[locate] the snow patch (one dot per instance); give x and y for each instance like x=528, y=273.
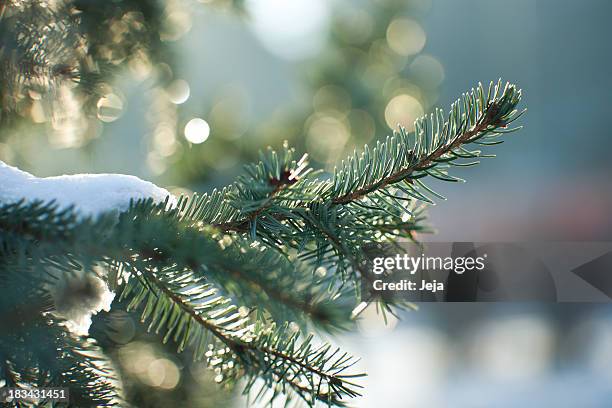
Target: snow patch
x=78, y=297
x=91, y=194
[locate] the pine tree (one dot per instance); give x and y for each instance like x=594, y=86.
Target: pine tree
x=229, y=276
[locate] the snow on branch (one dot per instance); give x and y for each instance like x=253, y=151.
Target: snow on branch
x=89, y=194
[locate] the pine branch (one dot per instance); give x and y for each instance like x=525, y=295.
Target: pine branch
x=188, y=313
x=45, y=355
x=278, y=179
x=166, y=265
x=478, y=117
x=312, y=373
x=372, y=192
x=253, y=276
x=151, y=237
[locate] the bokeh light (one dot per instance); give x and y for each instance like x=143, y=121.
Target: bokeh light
x=163, y=373
x=176, y=24
x=403, y=109
x=121, y=327
x=331, y=97
x=109, y=107
x=178, y=91
x=293, y=29
x=140, y=65
x=363, y=126
x=405, y=36
x=427, y=71
x=197, y=130
x=326, y=137
x=144, y=362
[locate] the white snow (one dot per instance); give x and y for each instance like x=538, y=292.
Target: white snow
x=78, y=297
x=91, y=194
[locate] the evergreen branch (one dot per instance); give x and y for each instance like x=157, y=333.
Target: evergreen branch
x=378, y=180
x=156, y=238
x=188, y=312
x=167, y=265
x=313, y=373
x=478, y=115
x=292, y=292
x=277, y=179
x=256, y=277
x=83, y=369
x=179, y=303
x=45, y=355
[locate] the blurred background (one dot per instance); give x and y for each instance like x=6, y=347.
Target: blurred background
x=184, y=92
